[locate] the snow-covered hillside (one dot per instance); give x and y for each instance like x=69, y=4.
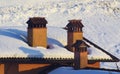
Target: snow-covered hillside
x=100, y=18
x=18, y=11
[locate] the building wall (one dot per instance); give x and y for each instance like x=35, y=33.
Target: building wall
x=72, y=37
x=1, y=68
x=94, y=65
x=31, y=68
x=37, y=37
x=11, y=68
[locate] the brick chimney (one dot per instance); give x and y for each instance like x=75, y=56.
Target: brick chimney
x=37, y=32
x=74, y=32
x=80, y=55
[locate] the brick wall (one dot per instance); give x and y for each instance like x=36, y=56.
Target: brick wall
x=12, y=68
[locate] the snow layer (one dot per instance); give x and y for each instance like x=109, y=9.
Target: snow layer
x=69, y=70
x=100, y=18
x=13, y=43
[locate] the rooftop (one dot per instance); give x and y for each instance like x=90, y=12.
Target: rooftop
x=13, y=44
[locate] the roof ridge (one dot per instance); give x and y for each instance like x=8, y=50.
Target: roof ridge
x=98, y=47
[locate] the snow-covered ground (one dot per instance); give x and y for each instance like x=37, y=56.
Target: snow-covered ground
x=100, y=18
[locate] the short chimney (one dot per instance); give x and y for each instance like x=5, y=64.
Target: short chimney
x=37, y=32
x=74, y=32
x=80, y=55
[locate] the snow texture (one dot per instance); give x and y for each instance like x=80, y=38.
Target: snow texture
x=100, y=18
x=13, y=43
x=16, y=44
x=69, y=70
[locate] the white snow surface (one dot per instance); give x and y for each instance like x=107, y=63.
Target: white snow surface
x=13, y=43
x=101, y=19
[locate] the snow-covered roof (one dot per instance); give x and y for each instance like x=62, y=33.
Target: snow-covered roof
x=13, y=43
x=70, y=70
x=95, y=54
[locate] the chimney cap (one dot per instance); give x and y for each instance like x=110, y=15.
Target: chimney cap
x=75, y=22
x=37, y=22
x=80, y=43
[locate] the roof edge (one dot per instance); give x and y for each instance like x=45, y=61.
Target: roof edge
x=115, y=59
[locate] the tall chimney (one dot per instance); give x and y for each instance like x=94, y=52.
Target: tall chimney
x=80, y=55
x=37, y=32
x=74, y=32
